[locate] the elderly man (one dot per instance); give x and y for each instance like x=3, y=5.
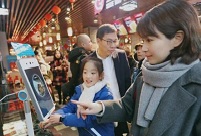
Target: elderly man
x=82, y=49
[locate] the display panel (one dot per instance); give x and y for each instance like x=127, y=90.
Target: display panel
x=137, y=17
x=36, y=87
x=120, y=27
x=130, y=24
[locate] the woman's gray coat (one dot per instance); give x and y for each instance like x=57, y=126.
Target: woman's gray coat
x=178, y=114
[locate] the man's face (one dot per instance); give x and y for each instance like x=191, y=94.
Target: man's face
x=107, y=44
x=87, y=43
x=140, y=53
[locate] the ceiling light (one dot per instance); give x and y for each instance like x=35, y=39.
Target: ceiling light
x=68, y=9
x=95, y=20
x=3, y=11
x=128, y=5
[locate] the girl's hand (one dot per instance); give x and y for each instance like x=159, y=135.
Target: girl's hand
x=79, y=109
x=52, y=120
x=87, y=108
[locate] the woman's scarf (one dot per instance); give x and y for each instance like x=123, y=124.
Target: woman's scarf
x=157, y=79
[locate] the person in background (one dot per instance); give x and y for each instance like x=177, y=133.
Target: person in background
x=92, y=89
x=59, y=69
x=167, y=100
x=140, y=55
x=116, y=66
x=46, y=72
x=81, y=50
x=132, y=62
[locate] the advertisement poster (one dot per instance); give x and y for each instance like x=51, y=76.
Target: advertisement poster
x=120, y=27
x=130, y=24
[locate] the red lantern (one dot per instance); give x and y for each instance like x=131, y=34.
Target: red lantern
x=42, y=22
x=38, y=26
x=72, y=3
x=56, y=10
x=34, y=29
x=48, y=17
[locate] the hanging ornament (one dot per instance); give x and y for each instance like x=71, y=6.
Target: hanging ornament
x=72, y=3
x=56, y=10
x=38, y=26
x=42, y=22
x=48, y=17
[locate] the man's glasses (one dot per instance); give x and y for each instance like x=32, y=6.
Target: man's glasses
x=111, y=42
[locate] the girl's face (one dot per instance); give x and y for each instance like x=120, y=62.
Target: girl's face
x=157, y=48
x=90, y=74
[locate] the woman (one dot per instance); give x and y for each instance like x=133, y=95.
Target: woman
x=59, y=69
x=166, y=100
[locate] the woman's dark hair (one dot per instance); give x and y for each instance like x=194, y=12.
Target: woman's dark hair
x=97, y=63
x=103, y=29
x=168, y=18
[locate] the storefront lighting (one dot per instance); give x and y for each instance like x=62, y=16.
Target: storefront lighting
x=50, y=40
x=40, y=44
x=44, y=35
x=44, y=42
x=70, y=31
x=128, y=5
x=58, y=37
x=67, y=17
x=68, y=9
x=3, y=11
x=95, y=20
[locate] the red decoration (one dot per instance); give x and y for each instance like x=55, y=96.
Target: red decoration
x=56, y=10
x=38, y=26
x=48, y=17
x=72, y=3
x=65, y=46
x=42, y=22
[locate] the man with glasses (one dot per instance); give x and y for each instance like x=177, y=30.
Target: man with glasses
x=116, y=67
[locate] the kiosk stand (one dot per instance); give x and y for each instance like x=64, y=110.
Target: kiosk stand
x=22, y=95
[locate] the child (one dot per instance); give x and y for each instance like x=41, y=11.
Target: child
x=166, y=100
x=92, y=89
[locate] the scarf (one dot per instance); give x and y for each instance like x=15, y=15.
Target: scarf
x=89, y=93
x=157, y=79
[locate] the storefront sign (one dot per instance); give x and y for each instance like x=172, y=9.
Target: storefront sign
x=112, y=3
x=98, y=6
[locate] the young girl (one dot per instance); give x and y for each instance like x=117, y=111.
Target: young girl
x=166, y=100
x=92, y=89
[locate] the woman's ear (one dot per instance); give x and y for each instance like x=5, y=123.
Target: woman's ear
x=178, y=38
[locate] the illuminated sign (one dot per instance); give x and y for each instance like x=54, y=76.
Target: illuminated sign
x=112, y=3
x=98, y=6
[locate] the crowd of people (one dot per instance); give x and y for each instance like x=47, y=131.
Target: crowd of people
x=157, y=89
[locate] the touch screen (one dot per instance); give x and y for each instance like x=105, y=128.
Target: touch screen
x=40, y=90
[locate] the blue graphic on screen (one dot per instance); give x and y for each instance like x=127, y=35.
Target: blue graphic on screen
x=39, y=89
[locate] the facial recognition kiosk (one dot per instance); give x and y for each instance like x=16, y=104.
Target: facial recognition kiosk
x=36, y=87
